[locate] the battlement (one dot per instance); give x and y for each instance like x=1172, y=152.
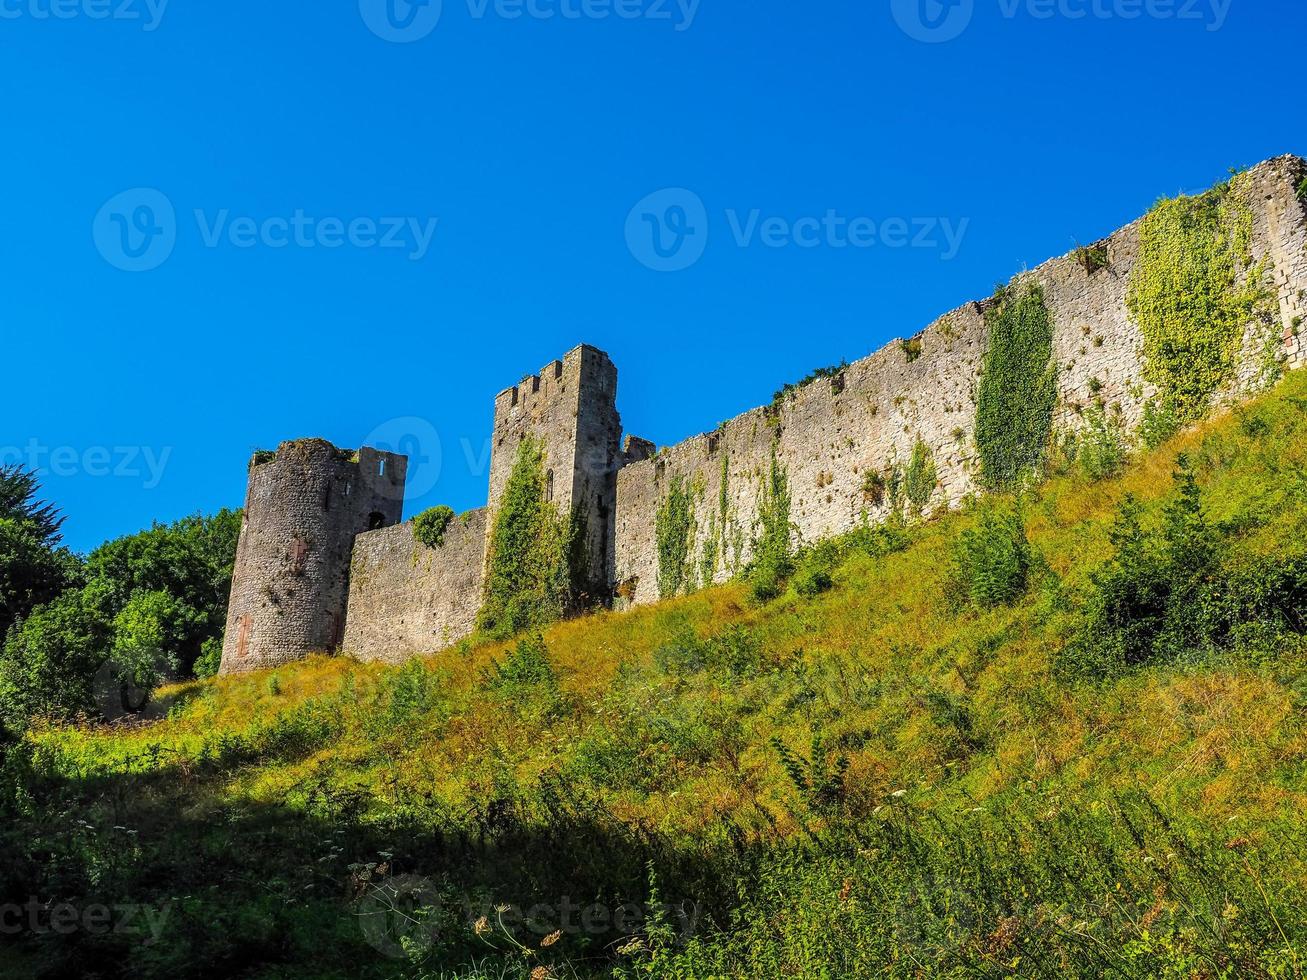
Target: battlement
x=310, y=504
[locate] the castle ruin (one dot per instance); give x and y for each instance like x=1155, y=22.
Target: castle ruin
x=324, y=564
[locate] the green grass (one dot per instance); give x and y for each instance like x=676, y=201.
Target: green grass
x=874, y=778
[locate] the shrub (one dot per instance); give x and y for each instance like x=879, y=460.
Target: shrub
x=877, y=540
x=526, y=665
x=791, y=389
x=429, y=527
x=1101, y=450
x=1092, y=258
x=992, y=561
x=1176, y=593
x=811, y=581
x=208, y=663
x=734, y=652
x=1158, y=424
x=1302, y=190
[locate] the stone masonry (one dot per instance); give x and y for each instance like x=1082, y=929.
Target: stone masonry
x=405, y=598
x=304, y=509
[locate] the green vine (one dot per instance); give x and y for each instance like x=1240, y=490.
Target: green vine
x=1192, y=292
x=674, y=533
x=1018, y=387
x=429, y=527
x=773, y=545
x=1302, y=190
x=531, y=574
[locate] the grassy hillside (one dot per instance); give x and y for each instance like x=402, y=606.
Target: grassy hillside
x=878, y=778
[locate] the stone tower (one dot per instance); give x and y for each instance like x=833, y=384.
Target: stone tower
x=304, y=507
x=571, y=407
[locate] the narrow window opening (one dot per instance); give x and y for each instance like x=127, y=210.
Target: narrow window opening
x=549, y=486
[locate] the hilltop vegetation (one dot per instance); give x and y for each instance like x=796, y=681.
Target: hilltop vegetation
x=1060, y=733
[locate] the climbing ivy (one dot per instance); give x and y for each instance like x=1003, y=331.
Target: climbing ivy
x=674, y=533
x=429, y=527
x=532, y=569
x=920, y=479
x=772, y=559
x=1018, y=387
x=1192, y=292
x=1302, y=190
x=723, y=544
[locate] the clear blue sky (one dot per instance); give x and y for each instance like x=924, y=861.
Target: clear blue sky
x=531, y=139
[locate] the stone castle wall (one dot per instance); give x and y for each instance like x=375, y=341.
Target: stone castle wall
x=406, y=598
x=304, y=508
x=832, y=431
x=571, y=408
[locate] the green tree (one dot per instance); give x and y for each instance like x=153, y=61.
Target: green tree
x=50, y=660
x=151, y=604
x=18, y=501
x=31, y=571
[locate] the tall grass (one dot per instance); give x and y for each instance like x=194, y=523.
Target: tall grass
x=861, y=776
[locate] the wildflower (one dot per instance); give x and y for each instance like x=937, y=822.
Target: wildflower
x=541, y=973
x=482, y=926
x=550, y=939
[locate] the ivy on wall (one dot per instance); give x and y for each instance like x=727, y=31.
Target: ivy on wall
x=723, y=545
x=531, y=571
x=674, y=533
x=1018, y=387
x=920, y=478
x=1192, y=292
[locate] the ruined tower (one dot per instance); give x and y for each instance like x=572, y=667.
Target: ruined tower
x=304, y=507
x=571, y=408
